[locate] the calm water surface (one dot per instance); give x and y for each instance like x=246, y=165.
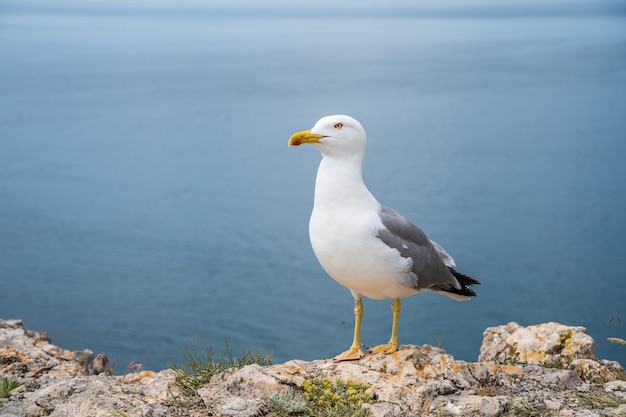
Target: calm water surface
x=148, y=198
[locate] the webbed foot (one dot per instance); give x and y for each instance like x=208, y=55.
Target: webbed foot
x=351, y=354
x=386, y=348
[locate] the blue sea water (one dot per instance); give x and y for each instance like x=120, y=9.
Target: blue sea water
x=148, y=197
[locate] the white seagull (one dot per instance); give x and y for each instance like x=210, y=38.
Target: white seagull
x=371, y=249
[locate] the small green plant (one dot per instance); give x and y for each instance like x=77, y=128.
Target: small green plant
x=601, y=401
x=510, y=360
x=525, y=410
x=200, y=365
x=288, y=403
x=8, y=385
x=322, y=397
x=336, y=398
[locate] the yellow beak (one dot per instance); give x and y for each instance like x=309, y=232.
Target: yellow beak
x=300, y=138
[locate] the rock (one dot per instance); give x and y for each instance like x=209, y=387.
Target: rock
x=242, y=392
x=613, y=386
x=598, y=372
x=56, y=381
x=553, y=406
x=28, y=354
x=547, y=369
x=619, y=411
x=469, y=405
x=548, y=344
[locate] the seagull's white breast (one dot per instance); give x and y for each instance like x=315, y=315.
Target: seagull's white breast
x=345, y=242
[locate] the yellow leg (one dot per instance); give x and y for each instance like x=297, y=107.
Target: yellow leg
x=392, y=346
x=355, y=352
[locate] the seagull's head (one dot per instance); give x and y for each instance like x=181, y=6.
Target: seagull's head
x=337, y=135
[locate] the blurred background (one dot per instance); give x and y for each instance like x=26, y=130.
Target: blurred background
x=148, y=197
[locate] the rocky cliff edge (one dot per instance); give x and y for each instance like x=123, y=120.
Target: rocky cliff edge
x=543, y=370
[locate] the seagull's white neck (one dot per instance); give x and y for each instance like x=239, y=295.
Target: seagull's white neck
x=340, y=182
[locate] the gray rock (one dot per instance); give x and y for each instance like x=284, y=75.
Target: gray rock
x=548, y=344
x=469, y=405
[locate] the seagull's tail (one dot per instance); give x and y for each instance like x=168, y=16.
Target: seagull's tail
x=464, y=292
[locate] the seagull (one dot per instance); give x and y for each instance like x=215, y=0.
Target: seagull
x=365, y=246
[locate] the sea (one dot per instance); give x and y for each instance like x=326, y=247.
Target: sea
x=149, y=201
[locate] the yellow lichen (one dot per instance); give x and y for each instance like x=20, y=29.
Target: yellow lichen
x=427, y=371
x=136, y=377
x=10, y=354
x=536, y=356
x=41, y=343
x=506, y=369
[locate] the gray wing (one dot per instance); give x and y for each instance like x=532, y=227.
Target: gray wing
x=445, y=256
x=429, y=268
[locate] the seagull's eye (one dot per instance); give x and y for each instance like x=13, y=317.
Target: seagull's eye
x=339, y=125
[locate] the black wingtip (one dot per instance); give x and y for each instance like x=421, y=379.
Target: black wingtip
x=462, y=278
x=465, y=281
